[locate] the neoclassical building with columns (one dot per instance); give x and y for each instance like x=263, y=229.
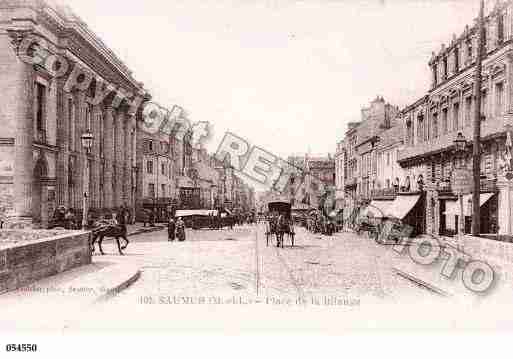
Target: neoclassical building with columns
x=43, y=163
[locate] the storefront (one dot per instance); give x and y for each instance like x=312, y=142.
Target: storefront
x=488, y=211
x=409, y=208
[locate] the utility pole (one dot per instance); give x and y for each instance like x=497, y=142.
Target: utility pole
x=476, y=152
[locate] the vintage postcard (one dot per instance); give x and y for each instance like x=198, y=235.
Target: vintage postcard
x=244, y=166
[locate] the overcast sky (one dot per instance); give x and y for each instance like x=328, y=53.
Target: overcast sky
x=286, y=75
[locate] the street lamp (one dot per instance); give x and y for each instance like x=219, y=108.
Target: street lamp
x=87, y=143
x=460, y=145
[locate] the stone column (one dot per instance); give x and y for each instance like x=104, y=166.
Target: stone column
x=505, y=204
x=62, y=139
x=80, y=164
x=108, y=122
x=126, y=160
x=95, y=170
x=119, y=151
x=509, y=84
x=132, y=164
x=23, y=157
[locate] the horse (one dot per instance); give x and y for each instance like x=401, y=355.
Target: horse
x=104, y=229
x=284, y=226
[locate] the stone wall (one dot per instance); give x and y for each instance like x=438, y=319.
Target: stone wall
x=496, y=253
x=25, y=262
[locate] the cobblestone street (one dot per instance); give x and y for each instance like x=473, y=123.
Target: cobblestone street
x=217, y=263
x=214, y=269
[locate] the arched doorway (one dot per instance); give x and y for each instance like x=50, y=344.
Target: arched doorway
x=39, y=192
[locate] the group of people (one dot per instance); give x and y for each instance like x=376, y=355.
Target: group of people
x=320, y=224
x=175, y=229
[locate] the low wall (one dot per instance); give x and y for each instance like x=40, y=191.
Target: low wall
x=496, y=253
x=24, y=262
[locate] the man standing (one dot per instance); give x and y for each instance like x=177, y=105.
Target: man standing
x=180, y=229
x=171, y=226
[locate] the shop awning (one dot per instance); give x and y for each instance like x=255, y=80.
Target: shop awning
x=402, y=205
x=195, y=212
x=453, y=207
x=377, y=209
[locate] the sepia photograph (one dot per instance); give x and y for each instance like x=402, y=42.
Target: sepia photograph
x=241, y=166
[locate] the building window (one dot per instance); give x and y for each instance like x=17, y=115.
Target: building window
x=445, y=74
x=469, y=51
x=444, y=121
x=468, y=110
x=88, y=114
x=456, y=117
x=40, y=112
x=500, y=28
x=163, y=169
x=456, y=60
x=151, y=190
x=150, y=145
x=420, y=128
x=163, y=188
x=485, y=43
x=387, y=183
x=435, y=125
x=149, y=167
x=388, y=158
x=484, y=104
x=499, y=99
x=435, y=74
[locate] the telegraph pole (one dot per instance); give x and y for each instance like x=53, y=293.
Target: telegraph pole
x=476, y=151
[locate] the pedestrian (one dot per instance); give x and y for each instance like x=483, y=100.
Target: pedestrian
x=180, y=229
x=171, y=227
x=152, y=218
x=70, y=219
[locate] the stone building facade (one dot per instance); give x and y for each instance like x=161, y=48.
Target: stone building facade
x=43, y=162
x=432, y=123
x=356, y=156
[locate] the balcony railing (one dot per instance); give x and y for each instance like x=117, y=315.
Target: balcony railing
x=385, y=192
x=490, y=126
x=487, y=185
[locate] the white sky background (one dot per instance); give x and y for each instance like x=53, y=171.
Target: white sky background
x=286, y=75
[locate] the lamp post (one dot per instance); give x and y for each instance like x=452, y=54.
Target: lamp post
x=87, y=143
x=460, y=144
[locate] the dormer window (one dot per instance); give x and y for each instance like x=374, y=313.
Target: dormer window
x=445, y=74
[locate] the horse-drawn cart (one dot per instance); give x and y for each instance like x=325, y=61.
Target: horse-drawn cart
x=279, y=223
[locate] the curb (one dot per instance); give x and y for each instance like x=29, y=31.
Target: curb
x=112, y=292
x=141, y=231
